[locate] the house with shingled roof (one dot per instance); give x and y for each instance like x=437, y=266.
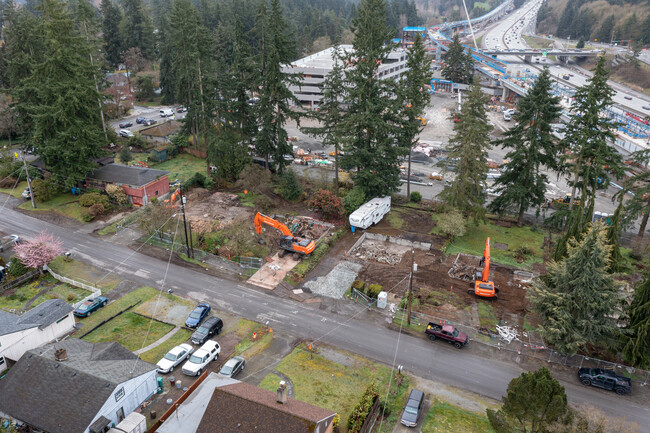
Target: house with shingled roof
x=74, y=386
x=224, y=405
x=42, y=324
x=141, y=184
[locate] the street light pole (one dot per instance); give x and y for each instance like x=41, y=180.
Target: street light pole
x=29, y=181
x=187, y=239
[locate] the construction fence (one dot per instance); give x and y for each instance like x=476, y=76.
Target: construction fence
x=245, y=266
x=523, y=343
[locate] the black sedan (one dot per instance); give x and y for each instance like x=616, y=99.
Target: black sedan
x=126, y=125
x=149, y=121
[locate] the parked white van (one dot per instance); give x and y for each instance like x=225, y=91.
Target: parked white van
x=166, y=112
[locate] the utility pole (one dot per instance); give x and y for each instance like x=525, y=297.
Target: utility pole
x=410, y=299
x=29, y=181
x=187, y=239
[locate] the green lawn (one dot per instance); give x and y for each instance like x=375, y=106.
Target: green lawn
x=130, y=330
x=474, y=243
x=154, y=355
x=63, y=291
x=142, y=294
x=17, y=191
x=322, y=382
x=84, y=273
x=394, y=218
x=443, y=417
x=182, y=167
x=535, y=42
x=22, y=295
x=64, y=204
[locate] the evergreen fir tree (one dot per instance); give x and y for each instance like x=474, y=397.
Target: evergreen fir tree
x=137, y=29
x=459, y=65
x=372, y=118
x=469, y=147
x=531, y=145
x=588, y=137
x=111, y=18
x=578, y=299
x=616, y=260
x=168, y=84
x=413, y=94
x=636, y=348
x=66, y=117
x=329, y=113
x=639, y=184
x=535, y=399
x=275, y=96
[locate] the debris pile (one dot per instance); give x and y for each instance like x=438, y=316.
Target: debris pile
x=507, y=333
x=462, y=271
x=381, y=255
x=307, y=227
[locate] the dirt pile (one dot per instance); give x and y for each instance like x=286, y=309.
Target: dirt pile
x=209, y=212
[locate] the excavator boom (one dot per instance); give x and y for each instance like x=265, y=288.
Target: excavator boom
x=486, y=258
x=289, y=243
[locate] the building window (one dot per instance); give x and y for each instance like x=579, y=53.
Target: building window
x=120, y=415
x=119, y=394
x=62, y=319
x=156, y=192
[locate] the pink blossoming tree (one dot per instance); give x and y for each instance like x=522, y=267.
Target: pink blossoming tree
x=39, y=251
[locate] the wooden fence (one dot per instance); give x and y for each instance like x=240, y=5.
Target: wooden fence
x=18, y=281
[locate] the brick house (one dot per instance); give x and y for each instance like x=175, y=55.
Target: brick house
x=139, y=183
x=249, y=409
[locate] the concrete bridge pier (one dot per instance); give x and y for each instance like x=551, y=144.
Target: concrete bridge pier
x=506, y=94
x=528, y=58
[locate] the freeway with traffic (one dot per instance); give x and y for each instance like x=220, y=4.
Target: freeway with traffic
x=349, y=327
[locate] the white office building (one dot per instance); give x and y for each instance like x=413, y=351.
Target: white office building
x=315, y=68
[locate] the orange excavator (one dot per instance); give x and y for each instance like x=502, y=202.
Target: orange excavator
x=289, y=243
x=482, y=285
x=172, y=199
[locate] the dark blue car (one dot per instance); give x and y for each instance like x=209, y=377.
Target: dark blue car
x=195, y=317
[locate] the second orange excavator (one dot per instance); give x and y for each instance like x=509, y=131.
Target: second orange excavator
x=289, y=243
x=482, y=286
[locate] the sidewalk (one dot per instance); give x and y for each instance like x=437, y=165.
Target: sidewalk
x=158, y=342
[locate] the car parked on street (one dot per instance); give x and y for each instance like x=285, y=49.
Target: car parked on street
x=126, y=124
x=411, y=412
x=197, y=315
x=149, y=122
x=448, y=333
x=181, y=109
x=210, y=327
x=174, y=357
x=126, y=133
x=8, y=242
x=90, y=306
x=233, y=366
x=140, y=120
x=201, y=358
x=605, y=379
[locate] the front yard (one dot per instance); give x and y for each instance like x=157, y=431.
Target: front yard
x=321, y=381
x=64, y=204
x=131, y=330
x=18, y=298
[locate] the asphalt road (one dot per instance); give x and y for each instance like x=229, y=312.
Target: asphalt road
x=350, y=328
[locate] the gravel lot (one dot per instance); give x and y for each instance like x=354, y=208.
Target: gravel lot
x=337, y=282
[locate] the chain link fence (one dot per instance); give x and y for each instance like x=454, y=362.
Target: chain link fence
x=526, y=343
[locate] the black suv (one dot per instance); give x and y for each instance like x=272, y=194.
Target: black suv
x=606, y=379
x=210, y=327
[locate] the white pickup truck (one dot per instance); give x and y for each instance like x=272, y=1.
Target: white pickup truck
x=201, y=358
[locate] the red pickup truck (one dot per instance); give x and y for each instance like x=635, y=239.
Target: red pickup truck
x=447, y=333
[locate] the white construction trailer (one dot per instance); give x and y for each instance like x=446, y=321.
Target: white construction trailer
x=370, y=213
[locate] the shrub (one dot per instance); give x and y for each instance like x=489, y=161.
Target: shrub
x=16, y=267
x=96, y=210
x=291, y=188
x=44, y=190
x=89, y=199
x=416, y=197
x=373, y=290
x=328, y=204
x=117, y=194
x=86, y=216
x=359, y=285
x=197, y=180
x=362, y=409
x=125, y=155
x=353, y=200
